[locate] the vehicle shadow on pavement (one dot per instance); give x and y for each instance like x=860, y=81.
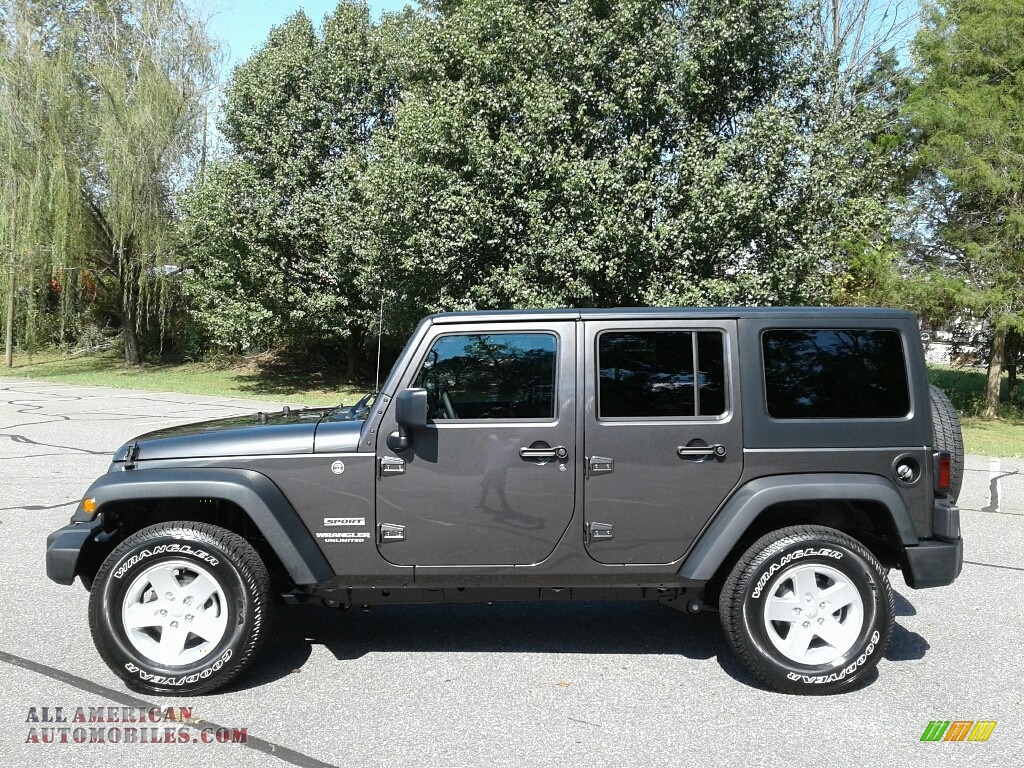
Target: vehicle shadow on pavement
x=905, y=645
x=583, y=628
x=556, y=627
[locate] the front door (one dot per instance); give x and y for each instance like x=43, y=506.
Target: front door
x=490, y=480
x=663, y=438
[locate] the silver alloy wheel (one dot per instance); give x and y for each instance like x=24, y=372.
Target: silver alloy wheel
x=813, y=614
x=174, y=613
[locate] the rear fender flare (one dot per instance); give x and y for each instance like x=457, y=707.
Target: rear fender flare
x=726, y=528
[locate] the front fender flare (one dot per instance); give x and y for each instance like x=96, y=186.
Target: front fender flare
x=726, y=528
x=260, y=499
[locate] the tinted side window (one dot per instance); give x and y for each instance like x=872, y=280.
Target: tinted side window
x=650, y=374
x=835, y=374
x=490, y=376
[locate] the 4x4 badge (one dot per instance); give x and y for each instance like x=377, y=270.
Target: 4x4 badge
x=338, y=467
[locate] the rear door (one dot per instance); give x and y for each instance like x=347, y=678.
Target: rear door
x=663, y=435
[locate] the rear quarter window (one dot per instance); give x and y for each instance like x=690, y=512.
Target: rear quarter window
x=835, y=374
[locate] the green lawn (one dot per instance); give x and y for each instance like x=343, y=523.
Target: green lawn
x=230, y=378
x=271, y=380
x=966, y=389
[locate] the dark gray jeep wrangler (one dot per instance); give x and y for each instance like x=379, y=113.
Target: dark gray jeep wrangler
x=772, y=464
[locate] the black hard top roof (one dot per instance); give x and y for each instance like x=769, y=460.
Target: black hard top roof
x=671, y=313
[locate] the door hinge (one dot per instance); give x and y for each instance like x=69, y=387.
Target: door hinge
x=391, y=465
x=600, y=465
x=390, y=532
x=599, y=532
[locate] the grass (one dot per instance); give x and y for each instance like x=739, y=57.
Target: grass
x=270, y=378
x=255, y=378
x=966, y=389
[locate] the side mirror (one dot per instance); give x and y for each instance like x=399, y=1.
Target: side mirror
x=411, y=408
x=410, y=413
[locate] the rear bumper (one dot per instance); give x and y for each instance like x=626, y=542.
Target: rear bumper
x=64, y=549
x=936, y=562
x=933, y=563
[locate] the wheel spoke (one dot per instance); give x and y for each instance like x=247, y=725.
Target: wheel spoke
x=172, y=643
x=781, y=609
x=141, y=615
x=835, y=634
x=798, y=640
x=805, y=583
x=163, y=581
x=200, y=590
x=207, y=626
x=840, y=595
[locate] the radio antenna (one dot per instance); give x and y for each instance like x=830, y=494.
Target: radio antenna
x=380, y=336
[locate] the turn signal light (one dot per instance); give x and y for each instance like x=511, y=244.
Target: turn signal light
x=944, y=474
x=89, y=506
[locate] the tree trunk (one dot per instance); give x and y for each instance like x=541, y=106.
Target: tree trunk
x=1012, y=357
x=132, y=355
x=9, y=348
x=995, y=375
x=353, y=358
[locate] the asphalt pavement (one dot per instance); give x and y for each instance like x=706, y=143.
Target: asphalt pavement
x=588, y=684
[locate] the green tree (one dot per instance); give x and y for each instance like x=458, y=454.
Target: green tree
x=272, y=230
x=101, y=109
x=42, y=219
x=968, y=104
x=526, y=150
x=631, y=152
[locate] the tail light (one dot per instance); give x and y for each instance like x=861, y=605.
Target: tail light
x=943, y=472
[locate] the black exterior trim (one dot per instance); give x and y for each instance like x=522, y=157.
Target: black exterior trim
x=64, y=548
x=746, y=504
x=945, y=520
x=932, y=563
x=256, y=494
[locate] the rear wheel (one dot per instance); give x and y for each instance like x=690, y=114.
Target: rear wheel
x=808, y=610
x=180, y=607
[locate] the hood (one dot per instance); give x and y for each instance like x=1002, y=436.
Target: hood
x=258, y=434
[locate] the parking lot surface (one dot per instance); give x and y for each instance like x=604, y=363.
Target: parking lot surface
x=586, y=684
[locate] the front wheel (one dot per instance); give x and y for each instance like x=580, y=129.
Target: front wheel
x=180, y=607
x=808, y=610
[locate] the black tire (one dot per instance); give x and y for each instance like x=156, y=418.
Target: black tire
x=183, y=552
x=768, y=570
x=948, y=437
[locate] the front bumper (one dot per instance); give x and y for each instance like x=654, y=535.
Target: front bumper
x=68, y=548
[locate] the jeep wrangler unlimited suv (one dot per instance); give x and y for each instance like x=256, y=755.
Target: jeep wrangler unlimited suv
x=770, y=463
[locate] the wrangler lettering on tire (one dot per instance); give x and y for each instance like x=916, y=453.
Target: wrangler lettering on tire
x=807, y=609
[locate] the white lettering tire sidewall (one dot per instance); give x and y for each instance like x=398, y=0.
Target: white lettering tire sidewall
x=247, y=613
x=766, y=571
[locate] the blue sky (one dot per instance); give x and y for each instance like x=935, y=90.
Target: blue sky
x=241, y=26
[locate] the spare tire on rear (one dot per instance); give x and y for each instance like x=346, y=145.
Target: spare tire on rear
x=948, y=437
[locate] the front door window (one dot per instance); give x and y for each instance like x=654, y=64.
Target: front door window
x=490, y=376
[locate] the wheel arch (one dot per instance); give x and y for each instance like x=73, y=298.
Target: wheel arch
x=836, y=500
x=241, y=500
